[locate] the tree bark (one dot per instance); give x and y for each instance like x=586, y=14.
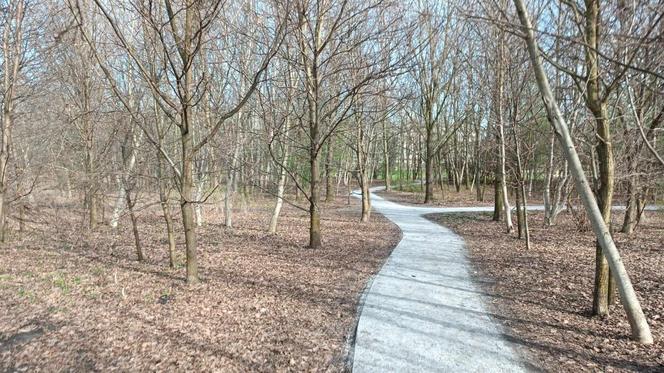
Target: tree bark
x=366, y=198
x=329, y=178
x=502, y=175
x=497, y=196
x=281, y=186
x=428, y=164
x=604, y=150
x=386, y=159
x=186, y=205
x=12, y=53
x=186, y=140
x=163, y=188
x=134, y=225
x=231, y=179
x=314, y=203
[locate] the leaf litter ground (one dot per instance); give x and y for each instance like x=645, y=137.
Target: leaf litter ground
x=543, y=296
x=71, y=300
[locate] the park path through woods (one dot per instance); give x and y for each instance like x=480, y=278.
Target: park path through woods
x=423, y=312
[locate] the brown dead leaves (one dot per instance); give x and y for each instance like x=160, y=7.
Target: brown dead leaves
x=71, y=300
x=543, y=296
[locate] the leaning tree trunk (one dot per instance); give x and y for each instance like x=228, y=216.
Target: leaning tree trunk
x=637, y=320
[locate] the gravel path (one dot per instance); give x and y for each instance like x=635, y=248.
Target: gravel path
x=423, y=313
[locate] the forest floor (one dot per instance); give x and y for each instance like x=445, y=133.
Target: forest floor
x=73, y=300
x=413, y=194
x=543, y=296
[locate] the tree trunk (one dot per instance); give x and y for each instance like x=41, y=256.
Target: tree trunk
x=4, y=160
x=605, y=201
x=637, y=320
x=120, y=203
x=366, y=197
x=12, y=63
x=314, y=203
x=329, y=179
x=128, y=165
x=201, y=172
x=524, y=212
x=631, y=209
x=502, y=175
x=187, y=141
x=198, y=210
x=519, y=215
x=477, y=164
x=281, y=186
x=497, y=198
x=163, y=190
x=386, y=160
x=498, y=106
x=231, y=181
x=91, y=185
x=186, y=198
x=166, y=208
x=547, y=183
x=428, y=167
x=134, y=225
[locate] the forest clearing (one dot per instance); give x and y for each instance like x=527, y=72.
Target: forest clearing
x=331, y=185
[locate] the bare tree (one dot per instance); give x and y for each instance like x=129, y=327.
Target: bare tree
x=13, y=63
x=637, y=320
x=182, y=32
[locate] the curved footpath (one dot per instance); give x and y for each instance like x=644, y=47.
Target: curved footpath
x=422, y=312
